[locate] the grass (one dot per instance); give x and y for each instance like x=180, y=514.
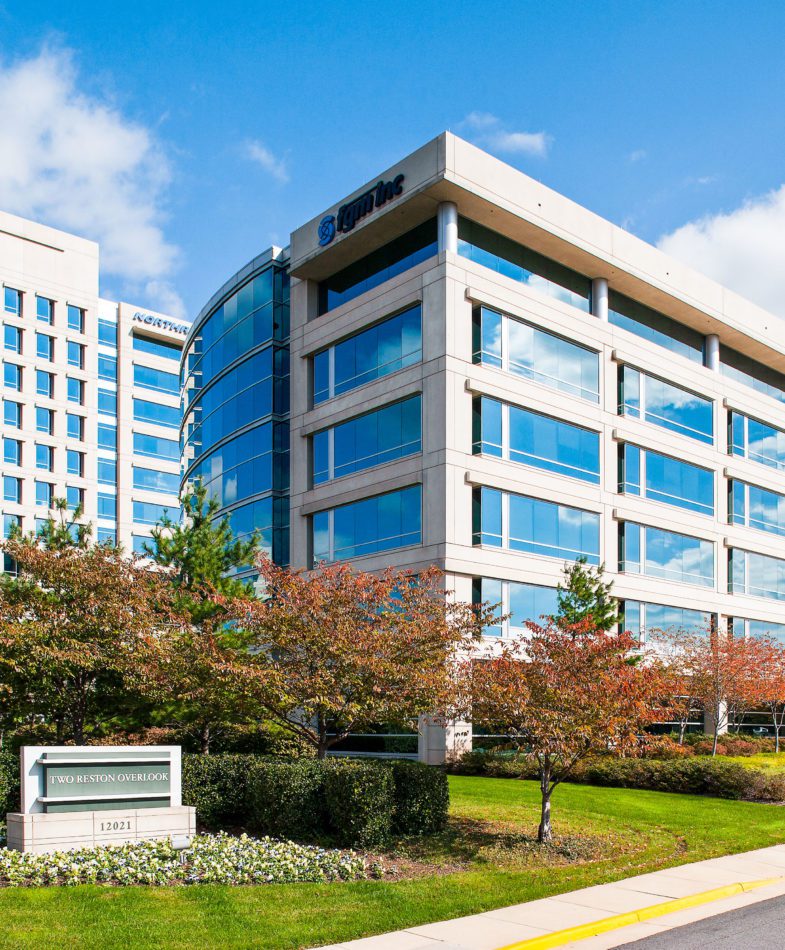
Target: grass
x=764, y=761
x=485, y=860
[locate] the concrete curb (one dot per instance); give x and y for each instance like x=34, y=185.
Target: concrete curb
x=561, y=937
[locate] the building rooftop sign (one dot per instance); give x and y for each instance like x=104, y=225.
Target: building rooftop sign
x=161, y=322
x=351, y=212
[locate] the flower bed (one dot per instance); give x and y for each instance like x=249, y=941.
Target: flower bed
x=211, y=859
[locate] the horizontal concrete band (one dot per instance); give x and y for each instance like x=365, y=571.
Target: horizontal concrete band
x=561, y=937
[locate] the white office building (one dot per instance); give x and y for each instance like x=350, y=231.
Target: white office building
x=90, y=391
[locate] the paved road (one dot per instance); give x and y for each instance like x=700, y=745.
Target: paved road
x=757, y=927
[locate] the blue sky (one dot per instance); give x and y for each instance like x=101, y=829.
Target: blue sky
x=188, y=137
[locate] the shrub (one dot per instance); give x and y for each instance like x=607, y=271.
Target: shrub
x=690, y=775
x=360, y=802
x=422, y=798
x=217, y=787
x=286, y=799
x=10, y=783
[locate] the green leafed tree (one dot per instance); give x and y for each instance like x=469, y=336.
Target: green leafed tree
x=585, y=595
x=201, y=556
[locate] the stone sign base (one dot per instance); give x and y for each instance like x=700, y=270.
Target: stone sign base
x=65, y=831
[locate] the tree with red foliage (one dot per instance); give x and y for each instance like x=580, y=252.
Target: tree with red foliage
x=563, y=693
x=332, y=652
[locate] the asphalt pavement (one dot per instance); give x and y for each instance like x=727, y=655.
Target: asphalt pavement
x=757, y=927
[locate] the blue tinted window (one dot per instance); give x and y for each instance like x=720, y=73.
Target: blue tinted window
x=106, y=535
x=666, y=554
x=12, y=451
x=107, y=332
x=12, y=301
x=153, y=480
x=74, y=462
x=44, y=420
x=75, y=390
x=757, y=507
x=663, y=404
x=242, y=466
x=12, y=414
x=538, y=440
x=758, y=575
x=12, y=376
x=75, y=318
x=44, y=457
x=381, y=523
x=12, y=338
x=107, y=471
x=535, y=526
x=107, y=367
x=374, y=438
x=648, y=621
x=107, y=505
x=44, y=383
x=44, y=347
x=76, y=356
x=156, y=446
x=74, y=497
x=667, y=480
x=379, y=266
x=161, y=415
x=655, y=327
x=145, y=344
x=107, y=436
x=12, y=489
x=382, y=349
x=9, y=523
x=140, y=542
x=149, y=378
x=759, y=628
x=44, y=494
x=74, y=426
x=107, y=402
x=749, y=372
x=520, y=604
x=44, y=310
x=255, y=516
x=535, y=354
x=757, y=441
x=513, y=260
x=145, y=512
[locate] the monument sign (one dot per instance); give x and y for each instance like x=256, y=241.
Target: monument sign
x=80, y=796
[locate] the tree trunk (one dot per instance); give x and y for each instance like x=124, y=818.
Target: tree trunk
x=714, y=744
x=682, y=730
x=545, y=832
x=776, y=738
x=204, y=738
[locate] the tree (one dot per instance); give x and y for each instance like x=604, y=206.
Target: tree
x=563, y=693
x=773, y=688
x=337, y=651
x=200, y=556
x=80, y=627
x=726, y=673
x=586, y=595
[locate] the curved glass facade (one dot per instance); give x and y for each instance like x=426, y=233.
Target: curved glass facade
x=235, y=383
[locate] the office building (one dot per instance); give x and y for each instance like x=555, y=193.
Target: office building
x=488, y=377
x=91, y=391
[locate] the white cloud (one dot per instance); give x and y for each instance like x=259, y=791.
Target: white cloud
x=637, y=156
x=74, y=161
x=488, y=131
x=742, y=249
x=259, y=153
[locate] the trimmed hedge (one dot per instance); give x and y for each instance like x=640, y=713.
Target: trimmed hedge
x=359, y=803
x=691, y=775
x=10, y=783
x=360, y=800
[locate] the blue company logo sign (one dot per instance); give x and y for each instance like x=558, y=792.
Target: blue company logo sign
x=350, y=213
x=326, y=230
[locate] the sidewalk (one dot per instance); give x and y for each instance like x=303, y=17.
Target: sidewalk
x=498, y=928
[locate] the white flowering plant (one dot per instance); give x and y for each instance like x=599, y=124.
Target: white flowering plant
x=211, y=859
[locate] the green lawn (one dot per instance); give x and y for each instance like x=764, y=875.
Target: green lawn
x=765, y=761
x=498, y=867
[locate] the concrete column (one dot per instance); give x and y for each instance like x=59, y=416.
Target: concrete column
x=711, y=357
x=441, y=741
x=447, y=227
x=599, y=298
x=720, y=725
